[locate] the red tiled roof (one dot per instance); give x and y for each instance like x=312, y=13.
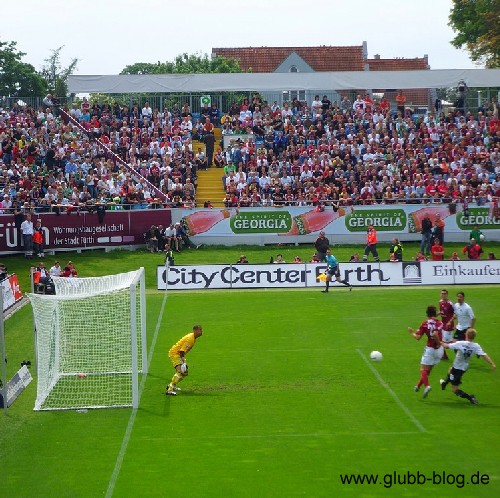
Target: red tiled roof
x=398, y=64
x=267, y=59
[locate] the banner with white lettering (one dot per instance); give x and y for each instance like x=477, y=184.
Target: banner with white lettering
x=309, y=275
x=85, y=230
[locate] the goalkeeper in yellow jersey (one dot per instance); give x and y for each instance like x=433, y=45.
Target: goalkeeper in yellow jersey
x=177, y=355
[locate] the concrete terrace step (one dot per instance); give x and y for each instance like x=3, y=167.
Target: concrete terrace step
x=210, y=187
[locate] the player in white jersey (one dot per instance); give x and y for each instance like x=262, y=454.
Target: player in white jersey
x=464, y=315
x=465, y=350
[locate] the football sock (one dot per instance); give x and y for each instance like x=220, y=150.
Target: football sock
x=327, y=284
x=345, y=282
x=424, y=378
x=175, y=379
x=462, y=394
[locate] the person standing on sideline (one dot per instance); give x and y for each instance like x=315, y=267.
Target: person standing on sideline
x=371, y=244
x=27, y=230
x=446, y=312
x=437, y=251
x=473, y=250
x=177, y=355
x=38, y=239
x=56, y=270
x=432, y=328
x=465, y=350
x=477, y=235
x=425, y=244
x=321, y=244
x=464, y=315
x=438, y=228
x=332, y=270
x=396, y=250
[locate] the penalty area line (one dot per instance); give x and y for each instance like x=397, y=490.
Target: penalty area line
x=401, y=405
x=133, y=415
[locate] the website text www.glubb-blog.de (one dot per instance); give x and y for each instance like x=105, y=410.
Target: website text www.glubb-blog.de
x=417, y=478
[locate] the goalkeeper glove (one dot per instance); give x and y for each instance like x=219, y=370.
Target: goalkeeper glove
x=184, y=368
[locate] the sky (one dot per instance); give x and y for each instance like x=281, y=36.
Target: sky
x=107, y=35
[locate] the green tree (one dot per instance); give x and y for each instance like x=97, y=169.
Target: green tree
x=186, y=64
x=477, y=27
x=55, y=75
x=17, y=78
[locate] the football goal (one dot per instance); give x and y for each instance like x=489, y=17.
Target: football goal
x=90, y=342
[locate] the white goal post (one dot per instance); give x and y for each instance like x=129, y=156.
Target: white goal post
x=90, y=342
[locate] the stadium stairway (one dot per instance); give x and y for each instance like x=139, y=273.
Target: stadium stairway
x=210, y=187
x=210, y=182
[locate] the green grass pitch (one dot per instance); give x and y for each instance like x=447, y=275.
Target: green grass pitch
x=281, y=400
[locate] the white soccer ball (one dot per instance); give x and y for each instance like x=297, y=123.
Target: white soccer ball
x=481, y=237
x=376, y=356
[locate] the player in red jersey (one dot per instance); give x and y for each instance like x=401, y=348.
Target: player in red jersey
x=446, y=311
x=432, y=329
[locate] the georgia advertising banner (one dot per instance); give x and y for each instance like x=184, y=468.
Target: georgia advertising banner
x=291, y=275
x=288, y=221
x=85, y=230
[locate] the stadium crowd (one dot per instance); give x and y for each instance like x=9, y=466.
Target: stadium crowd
x=349, y=153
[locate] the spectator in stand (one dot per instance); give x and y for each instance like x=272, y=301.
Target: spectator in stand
x=473, y=250
x=455, y=257
x=437, y=250
x=400, y=102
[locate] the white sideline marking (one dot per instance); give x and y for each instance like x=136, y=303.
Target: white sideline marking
x=133, y=415
x=315, y=434
x=412, y=417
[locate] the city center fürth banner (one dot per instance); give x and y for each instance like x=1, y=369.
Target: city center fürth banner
x=304, y=275
x=296, y=221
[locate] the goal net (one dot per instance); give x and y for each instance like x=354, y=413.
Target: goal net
x=90, y=342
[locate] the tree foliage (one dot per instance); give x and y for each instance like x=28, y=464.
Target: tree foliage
x=17, y=78
x=55, y=75
x=187, y=64
x=477, y=27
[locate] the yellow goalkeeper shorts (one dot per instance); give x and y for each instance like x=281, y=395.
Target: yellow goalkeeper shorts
x=176, y=360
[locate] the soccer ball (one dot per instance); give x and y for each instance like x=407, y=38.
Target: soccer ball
x=376, y=356
x=481, y=237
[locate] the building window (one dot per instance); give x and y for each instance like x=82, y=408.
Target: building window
x=294, y=69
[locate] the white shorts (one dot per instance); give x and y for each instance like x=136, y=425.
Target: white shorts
x=431, y=356
x=447, y=335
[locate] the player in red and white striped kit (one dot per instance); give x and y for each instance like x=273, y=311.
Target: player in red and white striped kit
x=432, y=329
x=446, y=311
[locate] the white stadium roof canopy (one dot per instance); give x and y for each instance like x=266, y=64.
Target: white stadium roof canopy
x=276, y=82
